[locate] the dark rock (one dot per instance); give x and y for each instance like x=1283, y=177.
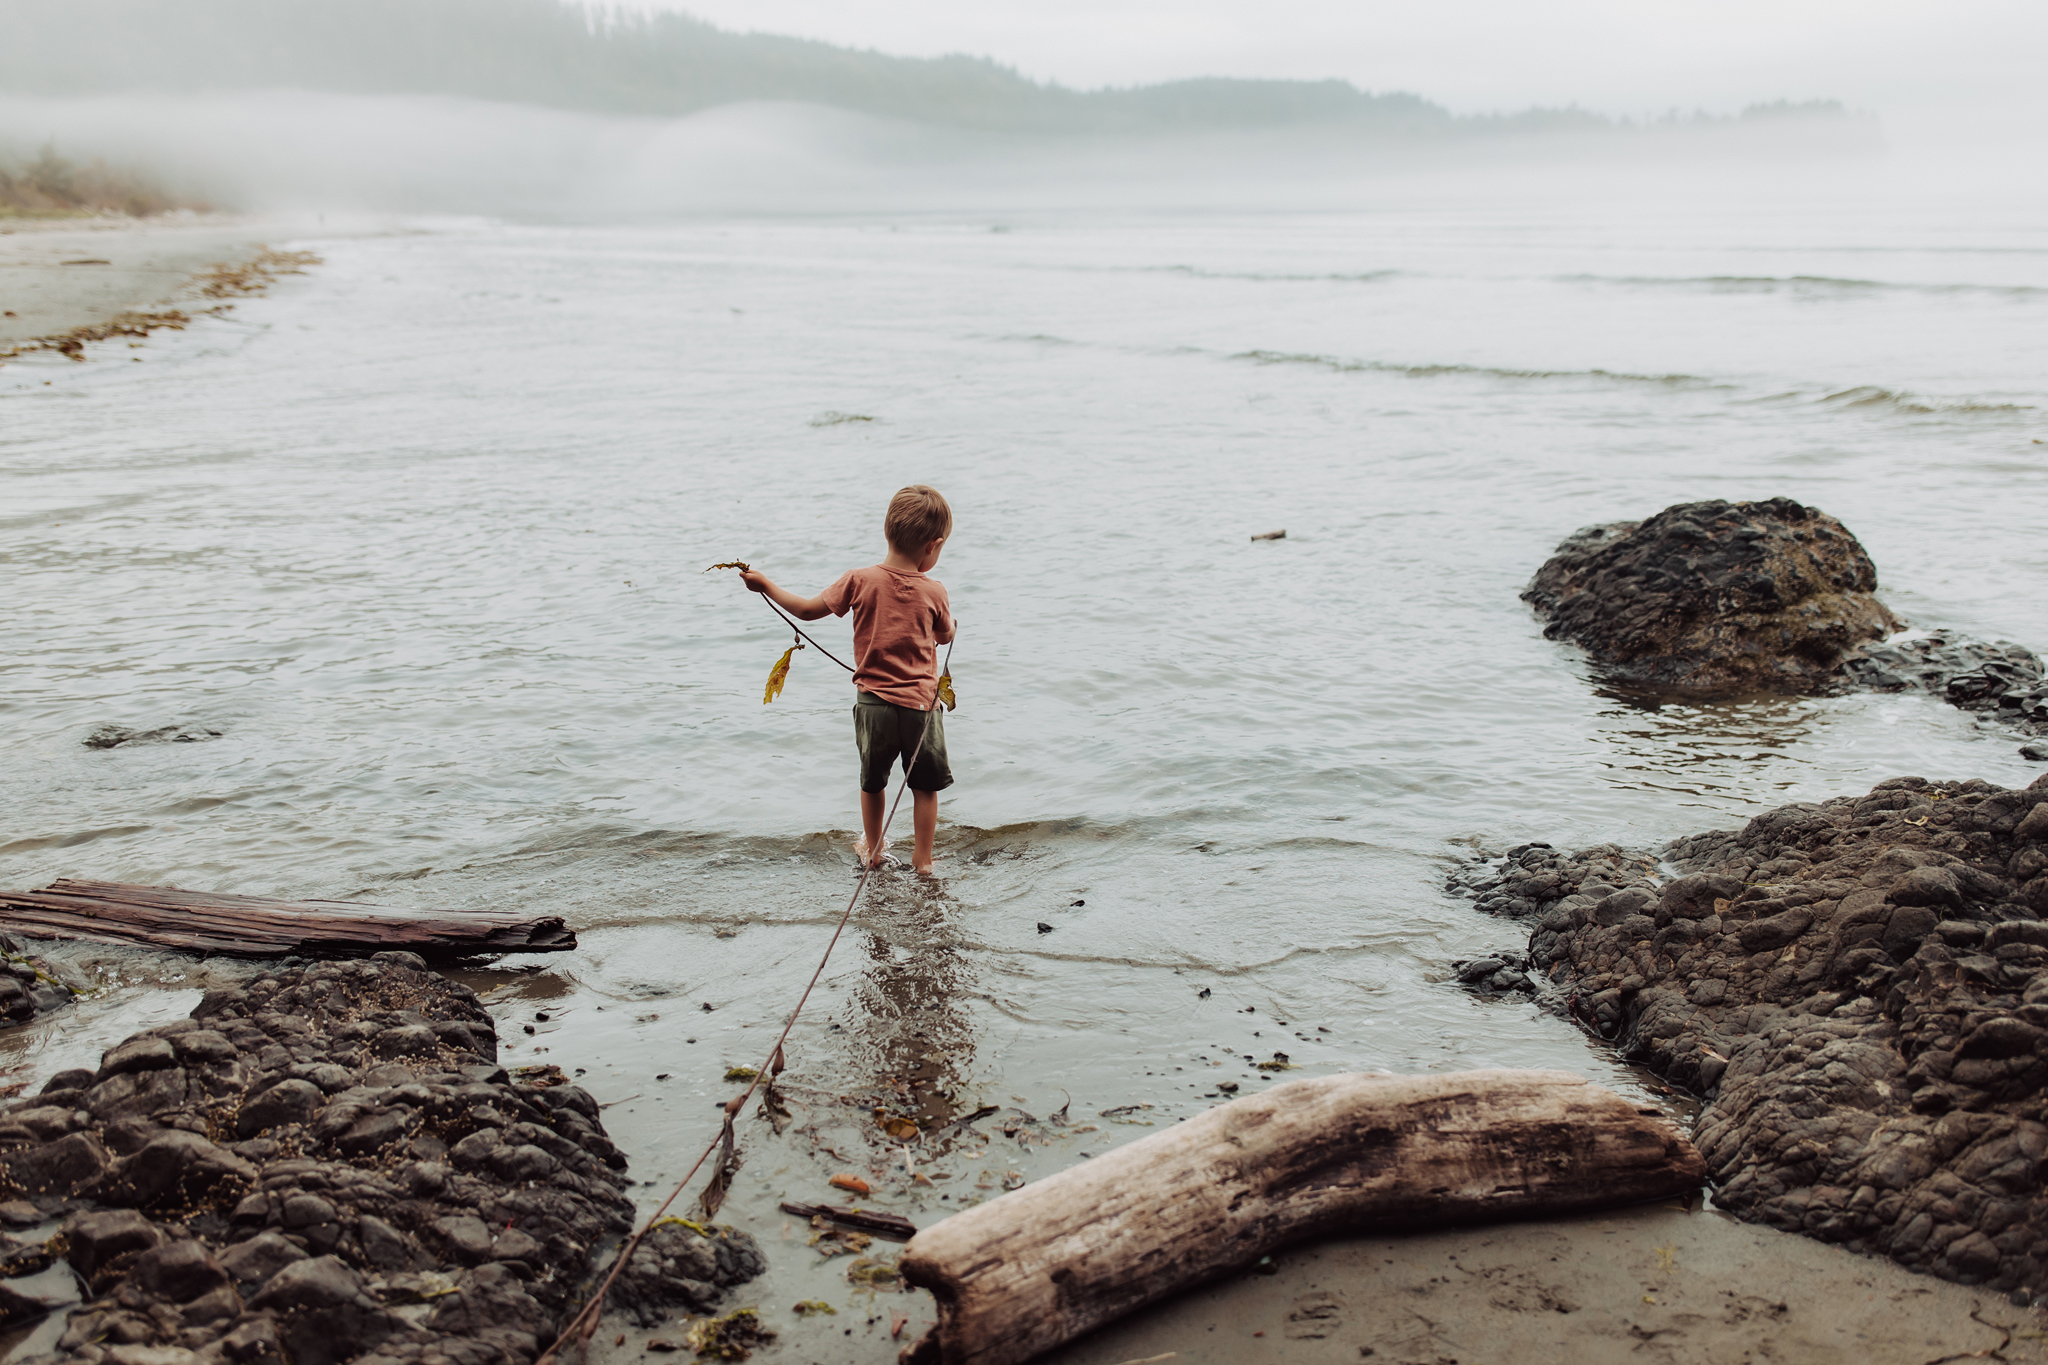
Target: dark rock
x=58, y=1169
x=123, y=736
x=1973, y=674
x=100, y=1241
x=1725, y=598
x=290, y=1101
x=294, y=1218
x=176, y=1167
x=412, y=1040
x=373, y=1132
x=326, y=1315
x=318, y=1282
x=259, y=1258
x=137, y=1054
x=254, y=1341
x=178, y=1271
x=1858, y=990
x=678, y=1267
x=465, y=1236
x=138, y=1094
x=385, y=1247
x=1715, y=597
x=75, y=1079
x=1926, y=886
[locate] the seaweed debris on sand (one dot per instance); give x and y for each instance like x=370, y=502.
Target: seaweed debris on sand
x=1859, y=990
x=222, y=282
x=327, y=1164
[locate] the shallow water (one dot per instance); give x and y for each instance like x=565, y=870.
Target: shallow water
x=422, y=535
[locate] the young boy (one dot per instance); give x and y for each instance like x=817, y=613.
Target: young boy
x=900, y=618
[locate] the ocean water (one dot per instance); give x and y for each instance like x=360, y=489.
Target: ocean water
x=423, y=533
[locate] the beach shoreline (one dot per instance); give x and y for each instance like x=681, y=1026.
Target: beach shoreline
x=71, y=280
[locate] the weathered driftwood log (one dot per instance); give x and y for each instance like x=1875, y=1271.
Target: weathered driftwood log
x=1021, y=1274
x=254, y=926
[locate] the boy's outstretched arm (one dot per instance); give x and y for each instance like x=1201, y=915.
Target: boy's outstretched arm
x=802, y=608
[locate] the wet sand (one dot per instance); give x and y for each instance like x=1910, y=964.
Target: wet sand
x=1652, y=1283
x=58, y=275
x=1645, y=1284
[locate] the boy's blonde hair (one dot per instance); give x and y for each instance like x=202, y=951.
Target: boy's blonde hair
x=918, y=515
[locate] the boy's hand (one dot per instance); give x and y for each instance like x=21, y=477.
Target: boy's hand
x=802, y=608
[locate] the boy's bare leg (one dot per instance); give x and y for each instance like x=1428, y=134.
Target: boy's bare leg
x=871, y=809
x=924, y=808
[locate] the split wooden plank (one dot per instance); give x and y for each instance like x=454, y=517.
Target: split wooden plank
x=1041, y=1265
x=257, y=926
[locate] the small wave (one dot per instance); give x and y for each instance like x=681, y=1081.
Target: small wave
x=1670, y=381
x=1871, y=396
x=839, y=419
x=1802, y=284
x=47, y=842
x=1282, y=277
x=1198, y=272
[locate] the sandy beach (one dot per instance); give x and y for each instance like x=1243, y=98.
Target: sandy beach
x=1650, y=1283
x=1655, y=1283
x=59, y=275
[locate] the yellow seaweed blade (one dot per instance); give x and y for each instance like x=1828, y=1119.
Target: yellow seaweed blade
x=730, y=564
x=946, y=691
x=777, y=676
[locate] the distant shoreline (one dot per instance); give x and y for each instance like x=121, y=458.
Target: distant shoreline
x=65, y=282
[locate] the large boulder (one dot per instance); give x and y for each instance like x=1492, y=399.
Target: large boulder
x=290, y=1140
x=1715, y=597
x=1856, y=988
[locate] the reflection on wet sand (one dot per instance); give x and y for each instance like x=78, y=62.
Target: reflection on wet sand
x=912, y=1035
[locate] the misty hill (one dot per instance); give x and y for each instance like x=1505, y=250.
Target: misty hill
x=559, y=54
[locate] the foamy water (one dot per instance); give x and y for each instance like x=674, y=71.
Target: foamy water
x=422, y=533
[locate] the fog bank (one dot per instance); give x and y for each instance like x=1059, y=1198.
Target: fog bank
x=296, y=150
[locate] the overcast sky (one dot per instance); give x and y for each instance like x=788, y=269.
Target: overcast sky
x=1617, y=56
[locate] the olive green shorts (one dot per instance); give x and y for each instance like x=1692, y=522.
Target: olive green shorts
x=884, y=732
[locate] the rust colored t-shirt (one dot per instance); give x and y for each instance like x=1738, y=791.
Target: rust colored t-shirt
x=898, y=616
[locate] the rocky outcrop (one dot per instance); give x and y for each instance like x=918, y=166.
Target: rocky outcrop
x=121, y=736
x=2004, y=681
x=1859, y=990
x=325, y=1164
x=1719, y=598
x=1715, y=597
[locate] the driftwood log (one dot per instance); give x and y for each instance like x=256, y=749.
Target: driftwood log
x=1021, y=1274
x=255, y=926
x=891, y=1225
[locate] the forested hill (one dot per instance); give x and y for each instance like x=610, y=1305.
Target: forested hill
x=563, y=55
